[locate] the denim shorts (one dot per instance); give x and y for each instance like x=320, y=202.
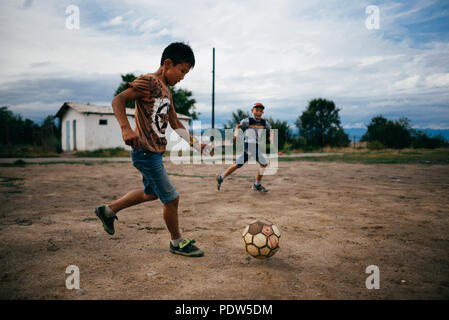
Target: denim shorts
x=154, y=177
x=251, y=151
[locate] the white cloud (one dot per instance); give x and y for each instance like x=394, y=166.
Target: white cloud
x=438, y=80
x=149, y=25
x=116, y=21
x=282, y=52
x=408, y=83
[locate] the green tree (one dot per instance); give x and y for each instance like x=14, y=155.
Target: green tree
x=50, y=134
x=237, y=116
x=392, y=134
x=14, y=131
x=184, y=103
x=421, y=140
x=376, y=130
x=283, y=132
x=28, y=131
x=320, y=125
x=129, y=77
x=13, y=127
x=5, y=121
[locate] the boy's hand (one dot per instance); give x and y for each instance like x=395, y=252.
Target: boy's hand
x=131, y=138
x=208, y=149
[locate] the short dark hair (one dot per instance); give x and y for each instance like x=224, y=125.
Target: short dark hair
x=178, y=52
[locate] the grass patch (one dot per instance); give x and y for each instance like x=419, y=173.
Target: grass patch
x=86, y=163
x=25, y=151
x=104, y=153
x=9, y=179
x=10, y=182
x=383, y=157
x=21, y=163
x=17, y=163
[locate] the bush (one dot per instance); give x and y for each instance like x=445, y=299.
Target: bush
x=25, y=151
x=287, y=148
x=299, y=143
x=375, y=145
x=100, y=153
x=336, y=137
x=422, y=140
x=392, y=134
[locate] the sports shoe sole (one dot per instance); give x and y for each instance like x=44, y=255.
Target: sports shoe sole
x=186, y=254
x=261, y=191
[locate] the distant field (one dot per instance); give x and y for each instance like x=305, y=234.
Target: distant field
x=104, y=153
x=440, y=156
x=25, y=151
x=348, y=155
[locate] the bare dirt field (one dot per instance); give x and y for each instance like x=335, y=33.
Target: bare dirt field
x=336, y=219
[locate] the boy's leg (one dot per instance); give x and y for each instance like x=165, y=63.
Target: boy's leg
x=230, y=170
x=107, y=213
x=238, y=164
x=132, y=198
x=181, y=246
x=260, y=171
x=220, y=178
x=257, y=185
x=171, y=218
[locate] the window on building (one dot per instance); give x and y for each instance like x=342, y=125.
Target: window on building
x=103, y=122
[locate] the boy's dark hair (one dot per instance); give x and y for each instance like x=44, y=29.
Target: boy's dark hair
x=178, y=52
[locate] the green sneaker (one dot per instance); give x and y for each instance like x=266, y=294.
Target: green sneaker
x=186, y=248
x=108, y=222
x=219, y=182
x=259, y=188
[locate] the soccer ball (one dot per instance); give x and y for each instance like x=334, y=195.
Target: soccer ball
x=261, y=239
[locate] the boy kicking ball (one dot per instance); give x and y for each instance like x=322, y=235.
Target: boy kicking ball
x=154, y=110
x=253, y=127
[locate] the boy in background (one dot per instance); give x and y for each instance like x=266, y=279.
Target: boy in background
x=253, y=127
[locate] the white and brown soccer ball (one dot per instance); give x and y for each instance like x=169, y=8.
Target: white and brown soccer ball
x=261, y=239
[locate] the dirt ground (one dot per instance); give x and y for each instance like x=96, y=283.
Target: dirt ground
x=336, y=219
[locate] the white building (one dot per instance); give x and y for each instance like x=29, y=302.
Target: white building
x=87, y=127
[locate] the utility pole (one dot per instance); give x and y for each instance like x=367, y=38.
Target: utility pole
x=213, y=92
x=213, y=88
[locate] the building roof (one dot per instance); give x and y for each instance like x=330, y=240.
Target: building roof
x=93, y=109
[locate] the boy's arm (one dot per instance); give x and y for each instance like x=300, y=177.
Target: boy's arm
x=271, y=136
x=119, y=107
x=236, y=132
x=270, y=132
x=177, y=125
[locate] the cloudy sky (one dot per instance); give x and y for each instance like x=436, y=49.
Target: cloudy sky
x=282, y=53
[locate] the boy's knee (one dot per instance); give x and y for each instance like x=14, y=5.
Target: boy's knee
x=149, y=197
x=264, y=165
x=174, y=201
